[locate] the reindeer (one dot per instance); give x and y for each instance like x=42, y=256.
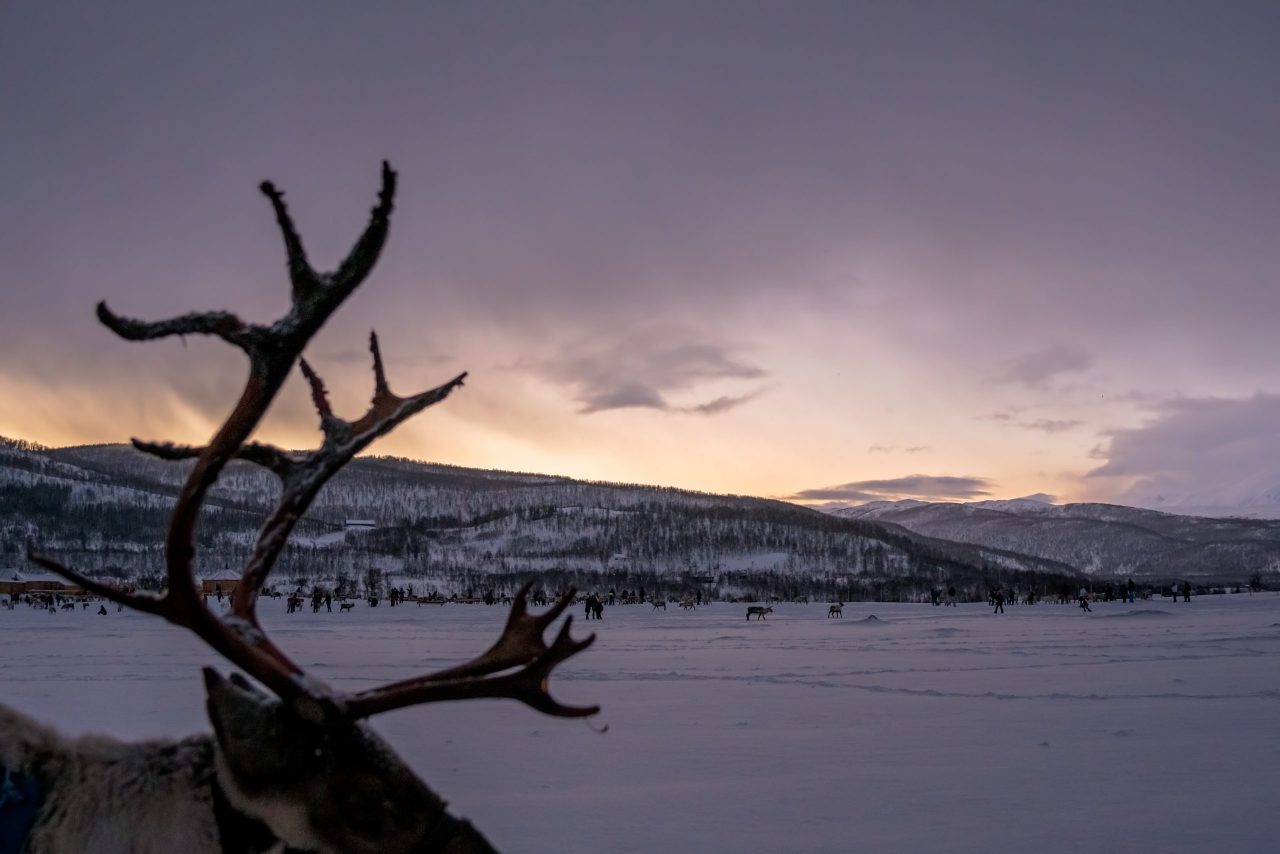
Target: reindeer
x=658, y=603
x=291, y=765
x=759, y=611
x=836, y=610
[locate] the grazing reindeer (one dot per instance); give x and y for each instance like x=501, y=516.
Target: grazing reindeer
x=343, y=607
x=836, y=610
x=759, y=611
x=292, y=766
x=659, y=603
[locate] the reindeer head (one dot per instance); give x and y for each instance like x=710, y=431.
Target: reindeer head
x=319, y=787
x=302, y=761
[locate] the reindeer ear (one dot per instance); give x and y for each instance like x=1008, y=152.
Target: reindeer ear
x=255, y=733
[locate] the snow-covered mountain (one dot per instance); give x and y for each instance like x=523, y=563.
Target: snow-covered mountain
x=1094, y=538
x=104, y=508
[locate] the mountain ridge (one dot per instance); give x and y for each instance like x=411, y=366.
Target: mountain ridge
x=103, y=508
x=1095, y=538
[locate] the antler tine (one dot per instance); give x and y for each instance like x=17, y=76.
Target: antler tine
x=301, y=275
x=223, y=324
x=304, y=479
x=267, y=456
x=240, y=644
x=379, y=373
x=520, y=642
x=146, y=602
x=356, y=266
x=528, y=685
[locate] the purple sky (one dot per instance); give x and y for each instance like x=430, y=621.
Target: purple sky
x=951, y=250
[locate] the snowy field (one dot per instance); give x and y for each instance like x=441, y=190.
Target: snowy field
x=1152, y=727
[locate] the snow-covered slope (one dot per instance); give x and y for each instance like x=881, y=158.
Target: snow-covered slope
x=1095, y=538
x=104, y=507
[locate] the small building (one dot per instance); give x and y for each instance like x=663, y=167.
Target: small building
x=361, y=525
x=11, y=582
x=41, y=582
x=224, y=580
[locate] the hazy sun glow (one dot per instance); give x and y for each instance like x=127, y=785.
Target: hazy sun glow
x=878, y=252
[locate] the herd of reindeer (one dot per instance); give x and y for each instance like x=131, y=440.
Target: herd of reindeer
x=593, y=604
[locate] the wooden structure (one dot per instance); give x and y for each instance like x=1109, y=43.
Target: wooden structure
x=14, y=582
x=226, y=580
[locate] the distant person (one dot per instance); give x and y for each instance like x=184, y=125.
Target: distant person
x=1084, y=600
x=951, y=595
x=998, y=597
x=1133, y=590
x=1186, y=591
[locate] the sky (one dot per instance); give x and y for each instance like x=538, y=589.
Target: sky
x=821, y=252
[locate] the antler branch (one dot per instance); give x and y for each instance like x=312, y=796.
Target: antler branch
x=272, y=352
x=356, y=266
x=267, y=456
x=223, y=324
x=301, y=483
x=521, y=643
x=149, y=603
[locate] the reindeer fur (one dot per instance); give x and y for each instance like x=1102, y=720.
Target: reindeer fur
x=264, y=782
x=99, y=793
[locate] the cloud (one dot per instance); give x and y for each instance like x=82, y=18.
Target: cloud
x=722, y=404
x=644, y=370
x=880, y=449
x=1050, y=425
x=627, y=395
x=918, y=449
x=1202, y=452
x=929, y=487
x=362, y=357
x=1034, y=370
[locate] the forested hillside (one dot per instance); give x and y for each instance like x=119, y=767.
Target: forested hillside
x=103, y=508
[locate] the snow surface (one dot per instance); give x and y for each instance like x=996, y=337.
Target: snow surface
x=1137, y=728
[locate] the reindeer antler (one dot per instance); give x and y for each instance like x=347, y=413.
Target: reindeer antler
x=272, y=352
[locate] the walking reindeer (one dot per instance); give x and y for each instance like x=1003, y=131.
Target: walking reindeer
x=294, y=766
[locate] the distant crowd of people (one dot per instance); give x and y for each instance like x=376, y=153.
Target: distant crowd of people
x=594, y=603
